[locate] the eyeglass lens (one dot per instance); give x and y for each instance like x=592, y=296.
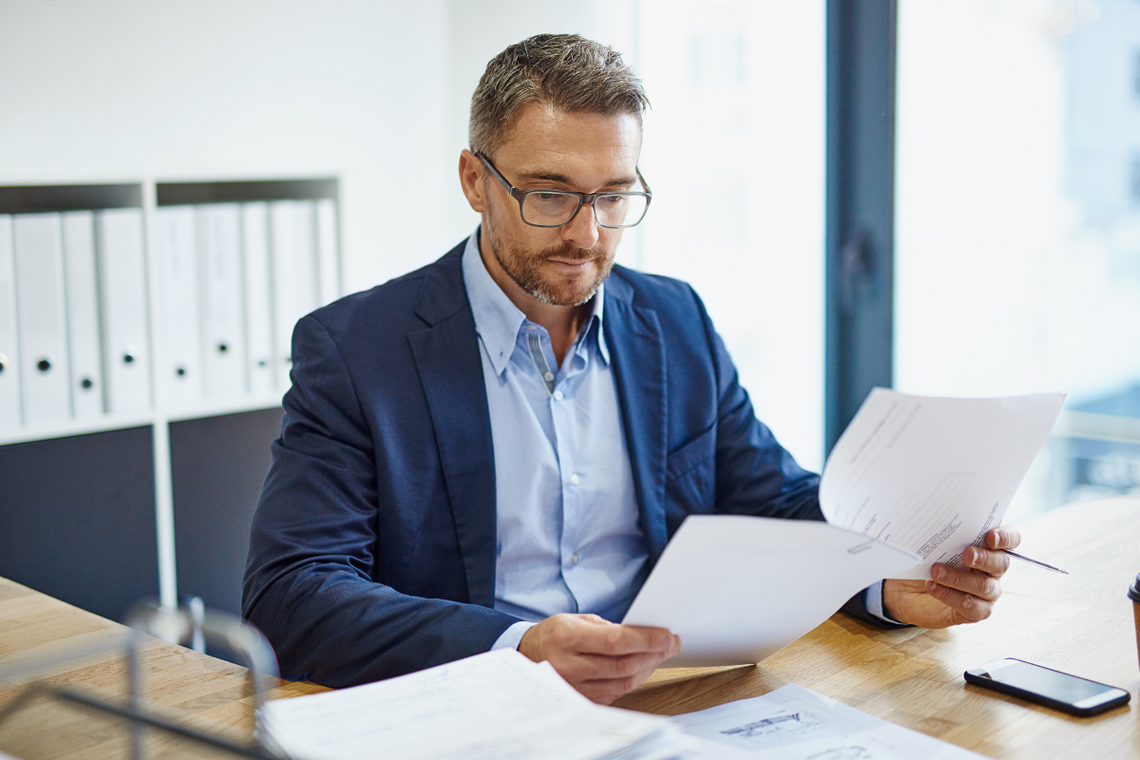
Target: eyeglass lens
x=554, y=209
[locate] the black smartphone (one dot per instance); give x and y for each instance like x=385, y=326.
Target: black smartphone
x=1045, y=686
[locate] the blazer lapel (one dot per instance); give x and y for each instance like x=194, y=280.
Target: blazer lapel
x=637, y=351
x=447, y=357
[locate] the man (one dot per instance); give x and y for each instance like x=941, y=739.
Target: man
x=488, y=451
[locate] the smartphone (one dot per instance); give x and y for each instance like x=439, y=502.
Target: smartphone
x=1045, y=686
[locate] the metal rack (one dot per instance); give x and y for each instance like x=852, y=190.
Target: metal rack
x=181, y=624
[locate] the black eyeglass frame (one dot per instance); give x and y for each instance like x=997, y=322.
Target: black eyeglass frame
x=583, y=198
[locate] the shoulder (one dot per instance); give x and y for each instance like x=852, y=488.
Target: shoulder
x=674, y=303
x=650, y=290
x=411, y=301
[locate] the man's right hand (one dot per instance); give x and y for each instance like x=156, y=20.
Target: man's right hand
x=603, y=660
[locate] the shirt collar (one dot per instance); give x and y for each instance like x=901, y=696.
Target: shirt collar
x=498, y=320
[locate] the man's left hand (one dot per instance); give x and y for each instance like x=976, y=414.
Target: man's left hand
x=954, y=595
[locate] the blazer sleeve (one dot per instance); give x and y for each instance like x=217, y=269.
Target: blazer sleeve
x=311, y=578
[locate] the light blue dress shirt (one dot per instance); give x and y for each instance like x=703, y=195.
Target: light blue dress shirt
x=568, y=538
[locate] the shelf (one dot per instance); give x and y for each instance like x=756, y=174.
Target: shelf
x=289, y=264
x=67, y=428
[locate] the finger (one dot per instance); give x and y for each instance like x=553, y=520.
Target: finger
x=1003, y=537
x=985, y=587
x=967, y=607
x=604, y=692
x=989, y=561
x=582, y=668
x=617, y=640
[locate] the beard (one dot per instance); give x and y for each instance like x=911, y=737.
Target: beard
x=525, y=268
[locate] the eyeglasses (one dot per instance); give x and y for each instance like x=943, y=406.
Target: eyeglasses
x=554, y=208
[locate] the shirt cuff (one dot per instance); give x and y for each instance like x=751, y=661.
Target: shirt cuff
x=874, y=603
x=510, y=638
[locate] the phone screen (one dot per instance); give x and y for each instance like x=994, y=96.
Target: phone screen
x=1050, y=683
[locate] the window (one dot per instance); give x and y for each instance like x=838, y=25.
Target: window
x=734, y=151
x=1017, y=245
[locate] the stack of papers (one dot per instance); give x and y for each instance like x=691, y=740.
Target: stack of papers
x=500, y=705
x=493, y=705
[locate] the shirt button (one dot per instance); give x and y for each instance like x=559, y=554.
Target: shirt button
x=557, y=395
x=575, y=479
x=573, y=559
x=548, y=376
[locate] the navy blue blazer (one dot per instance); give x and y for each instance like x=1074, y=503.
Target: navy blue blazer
x=372, y=551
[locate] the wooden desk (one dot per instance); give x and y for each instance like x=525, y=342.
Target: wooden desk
x=1081, y=623
x=213, y=694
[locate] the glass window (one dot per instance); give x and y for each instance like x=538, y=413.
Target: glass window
x=1017, y=225
x=734, y=152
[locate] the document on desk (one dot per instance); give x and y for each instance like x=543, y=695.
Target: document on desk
x=913, y=480
x=493, y=705
x=794, y=723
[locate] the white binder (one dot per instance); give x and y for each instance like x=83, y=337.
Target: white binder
x=222, y=298
x=327, y=244
x=180, y=373
x=295, y=274
x=10, y=412
x=123, y=302
x=258, y=304
x=42, y=319
x=82, y=314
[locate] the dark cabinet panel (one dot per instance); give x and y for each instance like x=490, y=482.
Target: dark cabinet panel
x=219, y=465
x=77, y=518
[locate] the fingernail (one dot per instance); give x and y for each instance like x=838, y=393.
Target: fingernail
x=939, y=573
x=999, y=537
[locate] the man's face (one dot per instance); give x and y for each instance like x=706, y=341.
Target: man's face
x=550, y=149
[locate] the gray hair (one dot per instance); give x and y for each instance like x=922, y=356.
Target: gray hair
x=565, y=71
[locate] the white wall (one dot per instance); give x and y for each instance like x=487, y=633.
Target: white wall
x=127, y=89
x=375, y=92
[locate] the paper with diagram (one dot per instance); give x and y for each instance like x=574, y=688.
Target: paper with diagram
x=794, y=723
x=912, y=481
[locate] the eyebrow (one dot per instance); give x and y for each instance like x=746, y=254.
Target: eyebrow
x=565, y=180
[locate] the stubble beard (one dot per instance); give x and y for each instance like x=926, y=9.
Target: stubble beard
x=525, y=269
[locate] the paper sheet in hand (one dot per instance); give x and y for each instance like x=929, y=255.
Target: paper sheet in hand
x=931, y=475
x=912, y=481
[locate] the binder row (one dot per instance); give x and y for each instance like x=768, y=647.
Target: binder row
x=233, y=278
x=73, y=316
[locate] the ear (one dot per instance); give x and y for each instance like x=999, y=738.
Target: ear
x=471, y=180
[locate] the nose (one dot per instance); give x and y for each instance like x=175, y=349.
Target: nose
x=582, y=230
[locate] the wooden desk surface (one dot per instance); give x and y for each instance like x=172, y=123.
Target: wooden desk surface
x=212, y=694
x=1081, y=623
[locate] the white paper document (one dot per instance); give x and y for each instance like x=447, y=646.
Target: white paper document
x=931, y=475
x=794, y=723
x=914, y=480
x=493, y=705
x=737, y=589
